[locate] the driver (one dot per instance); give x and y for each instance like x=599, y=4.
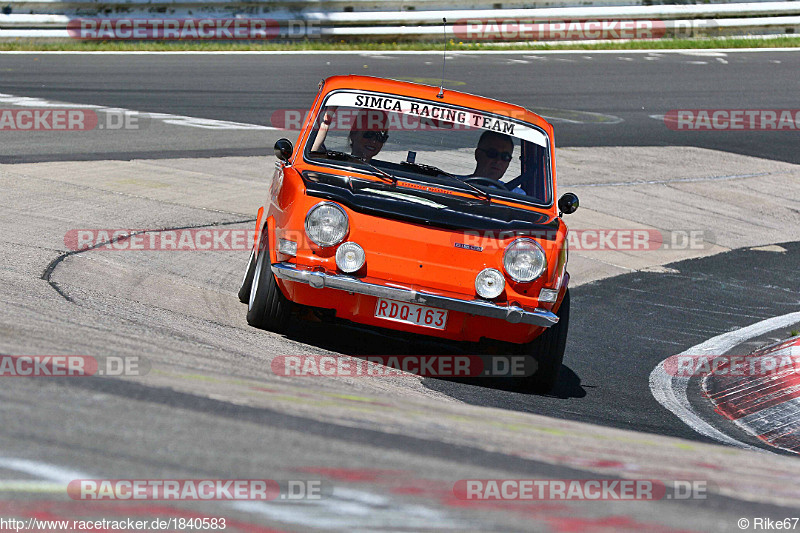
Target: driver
x=493, y=154
x=368, y=133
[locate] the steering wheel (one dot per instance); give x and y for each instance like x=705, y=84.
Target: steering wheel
x=487, y=182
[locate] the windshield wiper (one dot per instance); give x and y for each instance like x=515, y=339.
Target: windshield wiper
x=342, y=156
x=436, y=171
x=427, y=169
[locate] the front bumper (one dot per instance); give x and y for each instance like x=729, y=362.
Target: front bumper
x=510, y=313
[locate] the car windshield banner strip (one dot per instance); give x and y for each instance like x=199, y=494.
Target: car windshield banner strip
x=457, y=116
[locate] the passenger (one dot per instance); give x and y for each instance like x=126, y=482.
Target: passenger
x=493, y=154
x=368, y=133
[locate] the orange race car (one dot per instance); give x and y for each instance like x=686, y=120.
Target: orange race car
x=418, y=209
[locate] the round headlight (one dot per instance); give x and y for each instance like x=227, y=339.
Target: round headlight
x=349, y=257
x=524, y=260
x=490, y=283
x=326, y=224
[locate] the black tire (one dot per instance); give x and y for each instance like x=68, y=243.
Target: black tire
x=247, y=281
x=267, y=307
x=548, y=351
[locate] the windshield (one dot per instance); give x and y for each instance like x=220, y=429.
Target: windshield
x=395, y=137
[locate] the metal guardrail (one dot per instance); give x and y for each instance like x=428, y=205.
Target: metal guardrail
x=677, y=19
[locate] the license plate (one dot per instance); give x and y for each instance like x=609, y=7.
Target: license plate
x=419, y=315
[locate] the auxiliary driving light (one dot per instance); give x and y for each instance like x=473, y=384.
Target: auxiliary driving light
x=524, y=260
x=326, y=224
x=490, y=283
x=349, y=257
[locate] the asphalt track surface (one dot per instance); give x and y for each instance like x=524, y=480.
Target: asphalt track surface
x=179, y=309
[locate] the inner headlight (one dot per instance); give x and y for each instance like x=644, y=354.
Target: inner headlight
x=350, y=257
x=326, y=224
x=524, y=260
x=490, y=283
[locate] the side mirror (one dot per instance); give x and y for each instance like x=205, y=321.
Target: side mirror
x=568, y=203
x=283, y=149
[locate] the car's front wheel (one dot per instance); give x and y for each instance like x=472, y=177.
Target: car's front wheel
x=548, y=351
x=267, y=307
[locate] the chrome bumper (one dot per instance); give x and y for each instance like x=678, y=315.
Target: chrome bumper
x=510, y=313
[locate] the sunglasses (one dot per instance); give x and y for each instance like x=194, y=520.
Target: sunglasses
x=380, y=136
x=494, y=154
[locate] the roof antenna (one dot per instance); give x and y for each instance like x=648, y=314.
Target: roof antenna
x=444, y=57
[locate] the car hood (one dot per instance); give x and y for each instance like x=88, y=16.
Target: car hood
x=421, y=207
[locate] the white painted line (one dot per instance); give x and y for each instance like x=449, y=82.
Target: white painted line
x=31, y=486
x=353, y=510
x=27, y=101
x=670, y=391
x=376, y=56
x=673, y=180
x=204, y=123
x=41, y=470
x=706, y=53
x=166, y=118
x=554, y=117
